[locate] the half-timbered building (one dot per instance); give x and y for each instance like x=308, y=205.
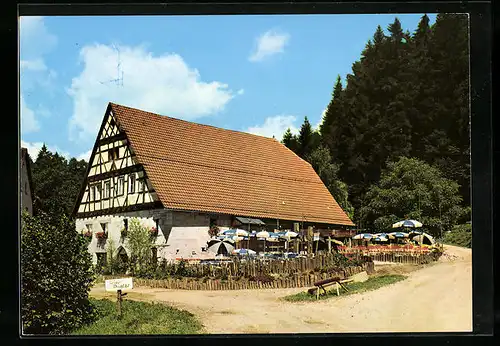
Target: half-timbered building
x=182, y=177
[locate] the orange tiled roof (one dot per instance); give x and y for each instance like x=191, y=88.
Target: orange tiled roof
x=205, y=168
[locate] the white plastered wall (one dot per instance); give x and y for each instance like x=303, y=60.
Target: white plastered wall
x=185, y=231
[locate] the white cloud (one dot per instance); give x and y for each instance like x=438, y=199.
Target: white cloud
x=35, y=147
x=268, y=44
x=84, y=156
x=275, y=126
x=28, y=119
x=33, y=65
x=162, y=84
x=35, y=42
x=35, y=39
x=241, y=91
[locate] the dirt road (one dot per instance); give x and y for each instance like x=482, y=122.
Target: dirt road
x=437, y=298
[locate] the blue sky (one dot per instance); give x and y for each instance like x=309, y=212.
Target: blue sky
x=259, y=74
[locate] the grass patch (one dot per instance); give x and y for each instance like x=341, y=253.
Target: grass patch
x=372, y=283
x=140, y=318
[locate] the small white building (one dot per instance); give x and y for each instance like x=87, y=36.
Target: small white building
x=182, y=178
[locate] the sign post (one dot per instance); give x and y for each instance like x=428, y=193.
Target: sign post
x=310, y=240
x=119, y=285
x=119, y=302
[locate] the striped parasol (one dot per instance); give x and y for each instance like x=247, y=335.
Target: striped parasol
x=234, y=232
x=399, y=234
x=407, y=223
x=365, y=236
x=385, y=235
x=218, y=246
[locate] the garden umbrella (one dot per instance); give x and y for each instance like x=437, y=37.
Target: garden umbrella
x=244, y=252
x=263, y=234
x=407, y=223
x=287, y=236
x=237, y=232
x=241, y=232
x=366, y=236
x=216, y=245
x=399, y=234
x=236, y=238
x=385, y=235
x=421, y=238
x=219, y=239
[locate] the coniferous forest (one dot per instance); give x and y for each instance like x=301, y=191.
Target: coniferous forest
x=407, y=97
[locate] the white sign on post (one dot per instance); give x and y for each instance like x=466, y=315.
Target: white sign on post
x=119, y=284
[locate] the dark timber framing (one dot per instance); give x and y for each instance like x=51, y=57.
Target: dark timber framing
x=111, y=134
x=124, y=209
x=121, y=171
x=115, y=138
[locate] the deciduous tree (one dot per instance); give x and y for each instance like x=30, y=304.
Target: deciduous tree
x=321, y=161
x=411, y=188
x=56, y=276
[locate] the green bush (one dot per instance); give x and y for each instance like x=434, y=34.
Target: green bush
x=56, y=276
x=113, y=265
x=461, y=235
x=139, y=243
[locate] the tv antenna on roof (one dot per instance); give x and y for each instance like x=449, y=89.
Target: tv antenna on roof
x=119, y=80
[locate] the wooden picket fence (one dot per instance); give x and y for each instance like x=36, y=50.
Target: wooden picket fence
x=304, y=280
x=258, y=266
x=298, y=272
x=412, y=249
x=403, y=258
x=406, y=256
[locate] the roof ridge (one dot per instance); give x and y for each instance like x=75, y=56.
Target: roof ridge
x=194, y=123
x=192, y=156
x=227, y=169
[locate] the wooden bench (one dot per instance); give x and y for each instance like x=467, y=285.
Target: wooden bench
x=322, y=284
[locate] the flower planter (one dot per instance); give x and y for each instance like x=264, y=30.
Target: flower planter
x=213, y=231
x=101, y=236
x=153, y=232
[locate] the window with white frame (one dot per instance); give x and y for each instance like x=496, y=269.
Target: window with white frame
x=98, y=191
x=142, y=184
x=131, y=183
x=119, y=186
x=113, y=154
x=92, y=192
x=107, y=189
